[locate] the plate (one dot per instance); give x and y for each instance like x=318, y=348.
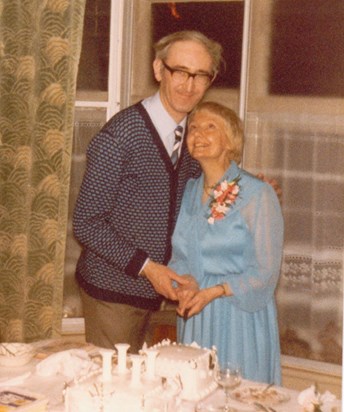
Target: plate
x=257, y=394
x=16, y=354
x=209, y=407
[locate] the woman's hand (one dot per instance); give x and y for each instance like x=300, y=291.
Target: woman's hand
x=195, y=303
x=186, y=292
x=272, y=182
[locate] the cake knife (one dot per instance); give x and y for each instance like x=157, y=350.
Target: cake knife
x=185, y=318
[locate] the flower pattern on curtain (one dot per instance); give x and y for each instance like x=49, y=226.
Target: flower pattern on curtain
x=305, y=153
x=40, y=42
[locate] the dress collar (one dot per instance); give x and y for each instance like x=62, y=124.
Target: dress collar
x=231, y=173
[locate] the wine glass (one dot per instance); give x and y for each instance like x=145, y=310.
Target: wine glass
x=228, y=376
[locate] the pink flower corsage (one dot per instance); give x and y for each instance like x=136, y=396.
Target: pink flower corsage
x=224, y=196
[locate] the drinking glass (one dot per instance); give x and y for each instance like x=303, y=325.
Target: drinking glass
x=228, y=376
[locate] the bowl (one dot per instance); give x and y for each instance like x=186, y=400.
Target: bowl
x=16, y=354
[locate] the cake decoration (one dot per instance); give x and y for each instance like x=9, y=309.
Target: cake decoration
x=158, y=380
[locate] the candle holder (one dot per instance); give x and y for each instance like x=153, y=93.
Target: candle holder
x=122, y=349
x=106, y=355
x=136, y=369
x=151, y=355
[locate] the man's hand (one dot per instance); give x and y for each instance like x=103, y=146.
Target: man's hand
x=272, y=182
x=161, y=277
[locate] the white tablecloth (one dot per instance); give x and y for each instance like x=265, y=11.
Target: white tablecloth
x=52, y=387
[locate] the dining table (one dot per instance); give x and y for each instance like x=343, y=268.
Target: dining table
x=26, y=378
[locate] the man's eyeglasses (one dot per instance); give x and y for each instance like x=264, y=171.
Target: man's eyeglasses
x=181, y=76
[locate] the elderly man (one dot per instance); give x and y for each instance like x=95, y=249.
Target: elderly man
x=137, y=168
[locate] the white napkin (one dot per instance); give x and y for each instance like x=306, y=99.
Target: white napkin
x=311, y=400
x=72, y=363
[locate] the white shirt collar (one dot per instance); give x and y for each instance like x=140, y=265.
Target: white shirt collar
x=162, y=120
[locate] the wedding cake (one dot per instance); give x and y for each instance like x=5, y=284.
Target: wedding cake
x=121, y=395
x=157, y=380
x=193, y=365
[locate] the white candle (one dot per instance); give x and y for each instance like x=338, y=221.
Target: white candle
x=150, y=362
x=136, y=369
x=107, y=363
x=122, y=357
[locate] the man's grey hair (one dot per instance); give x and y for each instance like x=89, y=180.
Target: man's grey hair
x=214, y=48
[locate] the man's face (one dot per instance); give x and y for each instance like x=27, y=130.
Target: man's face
x=180, y=97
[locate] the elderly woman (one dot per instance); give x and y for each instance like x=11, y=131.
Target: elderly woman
x=228, y=240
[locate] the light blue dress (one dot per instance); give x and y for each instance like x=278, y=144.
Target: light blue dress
x=243, y=249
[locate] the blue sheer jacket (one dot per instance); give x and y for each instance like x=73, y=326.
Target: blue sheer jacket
x=243, y=249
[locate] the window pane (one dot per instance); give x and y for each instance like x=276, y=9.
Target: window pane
x=94, y=59
x=307, y=48
x=87, y=123
x=221, y=21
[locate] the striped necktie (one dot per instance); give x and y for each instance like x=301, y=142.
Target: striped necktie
x=178, y=133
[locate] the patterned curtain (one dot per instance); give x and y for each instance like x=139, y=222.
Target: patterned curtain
x=305, y=153
x=40, y=42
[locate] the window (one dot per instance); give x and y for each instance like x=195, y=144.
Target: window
x=94, y=60
x=97, y=100
x=102, y=89
x=291, y=135
x=307, y=40
x=224, y=20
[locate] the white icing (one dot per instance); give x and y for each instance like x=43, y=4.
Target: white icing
x=194, y=366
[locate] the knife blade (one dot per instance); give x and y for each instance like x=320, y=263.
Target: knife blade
x=185, y=318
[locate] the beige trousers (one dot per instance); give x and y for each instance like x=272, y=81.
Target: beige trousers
x=108, y=323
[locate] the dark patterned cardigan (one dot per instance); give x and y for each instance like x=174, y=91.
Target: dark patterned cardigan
x=127, y=207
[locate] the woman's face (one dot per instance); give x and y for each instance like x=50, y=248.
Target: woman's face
x=207, y=138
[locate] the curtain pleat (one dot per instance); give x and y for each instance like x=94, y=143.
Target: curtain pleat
x=40, y=43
